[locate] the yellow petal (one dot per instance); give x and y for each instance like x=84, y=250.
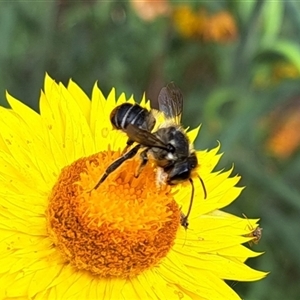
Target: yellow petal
x=81, y=98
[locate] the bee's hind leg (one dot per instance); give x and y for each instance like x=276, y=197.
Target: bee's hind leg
x=117, y=163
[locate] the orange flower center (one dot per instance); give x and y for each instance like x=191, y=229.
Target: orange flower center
x=120, y=229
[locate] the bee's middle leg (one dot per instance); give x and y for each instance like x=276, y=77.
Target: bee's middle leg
x=144, y=160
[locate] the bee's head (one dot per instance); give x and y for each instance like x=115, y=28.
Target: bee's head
x=181, y=170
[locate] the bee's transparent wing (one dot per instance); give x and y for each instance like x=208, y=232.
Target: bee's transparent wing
x=170, y=102
x=144, y=137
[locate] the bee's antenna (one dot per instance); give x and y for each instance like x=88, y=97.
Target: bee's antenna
x=203, y=186
x=184, y=218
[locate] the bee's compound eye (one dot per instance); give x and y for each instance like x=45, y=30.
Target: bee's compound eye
x=180, y=176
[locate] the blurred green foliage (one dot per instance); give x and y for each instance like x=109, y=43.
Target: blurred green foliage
x=228, y=87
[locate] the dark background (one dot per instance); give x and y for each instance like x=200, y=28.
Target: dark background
x=238, y=66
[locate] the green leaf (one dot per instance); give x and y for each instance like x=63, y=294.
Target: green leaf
x=273, y=18
x=288, y=49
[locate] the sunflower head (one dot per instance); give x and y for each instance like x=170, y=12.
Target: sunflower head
x=126, y=225
x=61, y=238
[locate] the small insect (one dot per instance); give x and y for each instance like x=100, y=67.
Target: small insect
x=169, y=145
x=256, y=233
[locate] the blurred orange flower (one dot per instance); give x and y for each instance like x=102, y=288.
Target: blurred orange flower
x=270, y=74
x=284, y=139
x=149, y=10
x=188, y=23
x=220, y=27
x=284, y=70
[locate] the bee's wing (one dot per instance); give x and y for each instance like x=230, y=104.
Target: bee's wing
x=144, y=137
x=170, y=102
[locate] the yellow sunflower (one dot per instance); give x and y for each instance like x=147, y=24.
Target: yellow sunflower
x=60, y=240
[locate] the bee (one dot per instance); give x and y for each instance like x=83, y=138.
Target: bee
x=256, y=233
x=169, y=145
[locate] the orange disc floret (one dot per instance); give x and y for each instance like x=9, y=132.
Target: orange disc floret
x=122, y=228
